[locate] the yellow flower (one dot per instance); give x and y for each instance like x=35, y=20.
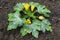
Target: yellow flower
x=41, y=17
x=26, y=6
x=32, y=8
x=28, y=21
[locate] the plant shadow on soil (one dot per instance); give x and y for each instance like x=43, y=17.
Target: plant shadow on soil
x=6, y=7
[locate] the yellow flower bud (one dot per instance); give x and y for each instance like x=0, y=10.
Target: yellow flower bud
x=32, y=8
x=41, y=17
x=28, y=21
x=25, y=30
x=26, y=6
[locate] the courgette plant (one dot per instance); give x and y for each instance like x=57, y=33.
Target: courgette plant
x=30, y=17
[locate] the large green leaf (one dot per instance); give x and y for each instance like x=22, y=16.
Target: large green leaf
x=26, y=29
x=14, y=20
x=43, y=10
x=11, y=26
x=13, y=16
x=34, y=4
x=34, y=26
x=31, y=27
x=35, y=33
x=23, y=31
x=48, y=28
x=45, y=25
x=46, y=21
x=18, y=7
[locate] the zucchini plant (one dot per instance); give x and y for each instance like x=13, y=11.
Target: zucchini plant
x=30, y=17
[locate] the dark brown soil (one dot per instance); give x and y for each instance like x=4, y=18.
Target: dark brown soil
x=6, y=7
